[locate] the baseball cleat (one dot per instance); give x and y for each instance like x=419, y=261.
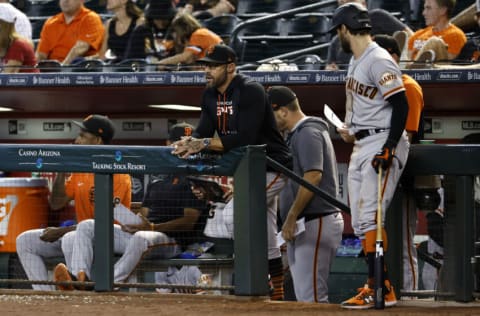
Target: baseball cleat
x=61, y=274
x=363, y=300
x=390, y=297
x=82, y=277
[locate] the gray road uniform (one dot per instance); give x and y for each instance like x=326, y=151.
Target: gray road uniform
x=371, y=80
x=311, y=254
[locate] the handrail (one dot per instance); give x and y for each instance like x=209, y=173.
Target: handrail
x=292, y=175
x=240, y=26
x=278, y=15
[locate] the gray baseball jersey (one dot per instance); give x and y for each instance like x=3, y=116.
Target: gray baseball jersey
x=311, y=254
x=371, y=79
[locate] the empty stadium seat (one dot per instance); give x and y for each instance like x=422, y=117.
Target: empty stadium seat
x=99, y=6
x=37, y=25
x=40, y=8
x=222, y=25
x=251, y=8
x=255, y=48
x=317, y=24
x=130, y=65
x=49, y=65
x=271, y=27
x=292, y=4
x=308, y=62
x=88, y=65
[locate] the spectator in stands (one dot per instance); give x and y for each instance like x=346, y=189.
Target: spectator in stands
x=237, y=109
x=126, y=16
x=445, y=39
x=383, y=22
x=205, y=9
x=191, y=41
x=16, y=51
x=174, y=219
x=469, y=56
x=74, y=32
x=33, y=246
x=151, y=40
x=22, y=23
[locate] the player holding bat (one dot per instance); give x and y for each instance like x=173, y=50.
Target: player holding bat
x=376, y=112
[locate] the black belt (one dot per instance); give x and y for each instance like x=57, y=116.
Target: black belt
x=368, y=132
x=309, y=217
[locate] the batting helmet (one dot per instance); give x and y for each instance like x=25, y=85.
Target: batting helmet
x=352, y=15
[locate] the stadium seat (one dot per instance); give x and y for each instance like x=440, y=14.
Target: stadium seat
x=255, y=48
x=88, y=65
x=41, y=8
x=471, y=46
x=252, y=8
x=317, y=24
x=99, y=6
x=271, y=27
x=37, y=25
x=308, y=62
x=292, y=4
x=49, y=65
x=222, y=25
x=130, y=65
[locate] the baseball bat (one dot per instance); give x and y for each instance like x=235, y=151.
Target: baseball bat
x=379, y=275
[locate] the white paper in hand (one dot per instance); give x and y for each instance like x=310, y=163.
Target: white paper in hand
x=332, y=117
x=125, y=216
x=298, y=230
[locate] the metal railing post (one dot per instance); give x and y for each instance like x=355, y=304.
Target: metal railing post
x=103, y=242
x=250, y=222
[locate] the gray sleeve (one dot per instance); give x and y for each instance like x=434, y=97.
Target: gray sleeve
x=310, y=151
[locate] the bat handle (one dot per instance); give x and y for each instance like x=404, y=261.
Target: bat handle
x=379, y=205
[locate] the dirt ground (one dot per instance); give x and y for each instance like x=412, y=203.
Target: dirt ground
x=27, y=302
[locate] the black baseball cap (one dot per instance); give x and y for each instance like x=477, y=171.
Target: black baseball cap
x=98, y=125
x=280, y=96
x=353, y=15
x=178, y=130
x=160, y=10
x=388, y=42
x=219, y=54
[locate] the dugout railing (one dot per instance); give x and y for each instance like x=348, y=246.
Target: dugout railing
x=461, y=266
x=246, y=165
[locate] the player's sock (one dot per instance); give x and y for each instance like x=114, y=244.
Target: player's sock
x=275, y=269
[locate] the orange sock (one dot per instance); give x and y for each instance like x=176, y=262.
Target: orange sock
x=275, y=269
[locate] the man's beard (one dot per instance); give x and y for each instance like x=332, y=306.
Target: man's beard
x=345, y=45
x=217, y=82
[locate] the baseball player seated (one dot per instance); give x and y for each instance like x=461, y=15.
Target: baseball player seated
x=174, y=219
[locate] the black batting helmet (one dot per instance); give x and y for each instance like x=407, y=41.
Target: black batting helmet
x=352, y=15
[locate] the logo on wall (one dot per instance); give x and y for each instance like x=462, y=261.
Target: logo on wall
x=39, y=163
x=118, y=156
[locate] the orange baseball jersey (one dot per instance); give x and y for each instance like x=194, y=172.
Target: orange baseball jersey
x=201, y=40
x=415, y=103
x=452, y=36
x=57, y=37
x=80, y=187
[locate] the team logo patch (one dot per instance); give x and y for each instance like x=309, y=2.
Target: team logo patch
x=388, y=79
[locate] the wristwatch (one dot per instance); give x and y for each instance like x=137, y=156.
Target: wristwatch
x=206, y=142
